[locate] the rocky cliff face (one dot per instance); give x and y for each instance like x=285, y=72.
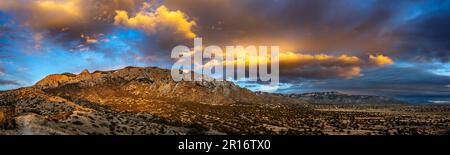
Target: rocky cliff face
x=149, y=83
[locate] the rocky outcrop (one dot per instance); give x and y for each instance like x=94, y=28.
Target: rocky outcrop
x=54, y=80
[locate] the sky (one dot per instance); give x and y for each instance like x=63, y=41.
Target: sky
x=377, y=47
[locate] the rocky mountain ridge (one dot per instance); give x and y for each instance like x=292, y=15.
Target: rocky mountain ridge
x=132, y=100
x=149, y=81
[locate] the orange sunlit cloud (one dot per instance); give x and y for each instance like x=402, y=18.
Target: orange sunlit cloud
x=381, y=60
x=161, y=20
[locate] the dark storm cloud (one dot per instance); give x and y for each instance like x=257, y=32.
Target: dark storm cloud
x=393, y=81
x=357, y=27
x=427, y=36
x=8, y=82
x=324, y=66
x=313, y=25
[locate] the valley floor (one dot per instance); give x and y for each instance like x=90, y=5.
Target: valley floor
x=236, y=119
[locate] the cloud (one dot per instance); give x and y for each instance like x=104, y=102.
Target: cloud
x=63, y=21
x=162, y=20
x=409, y=83
x=309, y=66
x=88, y=39
x=426, y=37
x=59, y=14
x=38, y=38
x=290, y=58
x=2, y=71
x=400, y=29
x=46, y=13
x=413, y=31
x=380, y=60
x=82, y=25
x=322, y=66
x=8, y=82
x=306, y=25
x=330, y=40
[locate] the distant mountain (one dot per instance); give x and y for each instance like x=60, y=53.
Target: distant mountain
x=340, y=98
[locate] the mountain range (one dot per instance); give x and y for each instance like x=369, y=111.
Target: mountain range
x=136, y=100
